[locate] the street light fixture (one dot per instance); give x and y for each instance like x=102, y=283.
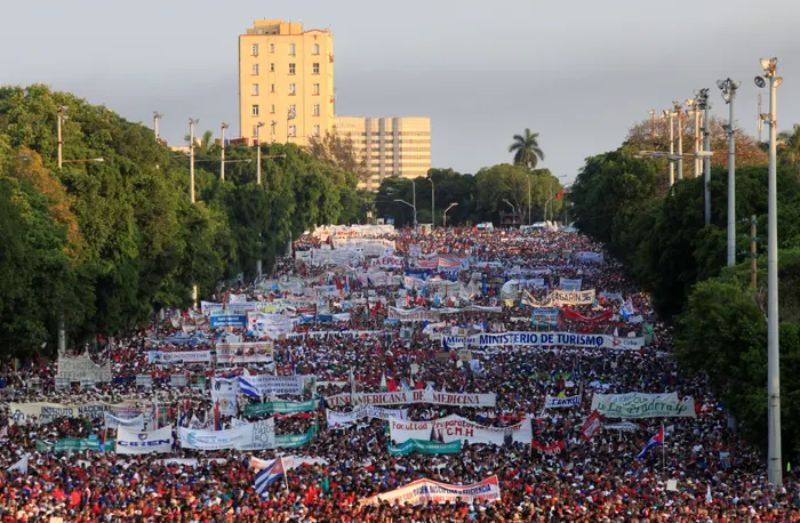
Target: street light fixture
x=728, y=88
x=774, y=469
x=513, y=209
x=671, y=116
x=414, y=207
x=444, y=215
x=433, y=202
x=703, y=103
x=156, y=121
x=222, y=151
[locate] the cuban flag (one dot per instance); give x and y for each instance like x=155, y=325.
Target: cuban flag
x=248, y=388
x=655, y=441
x=267, y=473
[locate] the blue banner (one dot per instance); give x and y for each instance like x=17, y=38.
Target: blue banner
x=228, y=320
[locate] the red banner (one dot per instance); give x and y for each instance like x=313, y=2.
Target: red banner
x=552, y=448
x=572, y=314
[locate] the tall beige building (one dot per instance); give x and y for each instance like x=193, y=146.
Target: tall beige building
x=286, y=95
x=285, y=82
x=399, y=146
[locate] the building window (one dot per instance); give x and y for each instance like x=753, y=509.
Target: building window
x=291, y=68
x=315, y=49
x=272, y=109
x=292, y=130
x=315, y=68
x=272, y=88
x=254, y=110
x=254, y=90
x=254, y=50
x=272, y=67
x=316, y=130
x=271, y=48
x=292, y=49
x=292, y=111
x=316, y=110
x=315, y=89
x=254, y=69
x=292, y=89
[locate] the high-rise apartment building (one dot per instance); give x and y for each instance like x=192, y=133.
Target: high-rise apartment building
x=285, y=82
x=388, y=146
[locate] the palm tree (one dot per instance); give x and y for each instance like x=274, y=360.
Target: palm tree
x=526, y=149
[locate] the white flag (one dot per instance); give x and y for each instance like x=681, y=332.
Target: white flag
x=21, y=465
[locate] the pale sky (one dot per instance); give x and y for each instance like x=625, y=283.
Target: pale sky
x=579, y=72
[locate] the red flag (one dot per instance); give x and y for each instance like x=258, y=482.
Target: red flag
x=552, y=448
x=592, y=425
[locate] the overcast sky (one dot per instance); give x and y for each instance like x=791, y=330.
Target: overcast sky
x=579, y=72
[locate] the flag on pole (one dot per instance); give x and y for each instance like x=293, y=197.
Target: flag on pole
x=655, y=441
x=267, y=473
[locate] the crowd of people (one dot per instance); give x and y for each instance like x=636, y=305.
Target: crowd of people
x=380, y=321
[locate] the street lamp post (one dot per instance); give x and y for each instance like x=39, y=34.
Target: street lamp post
x=414, y=207
x=703, y=103
x=433, y=203
x=259, y=125
x=156, y=125
x=692, y=104
x=192, y=123
x=679, y=112
x=222, y=151
x=728, y=88
x=513, y=209
x=774, y=471
x=444, y=215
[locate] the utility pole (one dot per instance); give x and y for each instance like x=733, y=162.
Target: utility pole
x=414, y=201
x=259, y=125
x=529, y=198
x=728, y=88
x=59, y=124
x=679, y=112
x=671, y=114
x=433, y=203
x=753, y=253
x=222, y=151
x=192, y=123
x=705, y=105
x=156, y=125
x=774, y=468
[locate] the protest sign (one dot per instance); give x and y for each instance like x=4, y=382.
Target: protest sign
x=562, y=402
x=424, y=447
x=279, y=407
x=454, y=428
x=81, y=369
x=170, y=358
x=543, y=339
x=250, y=352
x=410, y=397
x=279, y=385
x=131, y=440
x=423, y=491
x=634, y=405
x=223, y=393
x=363, y=411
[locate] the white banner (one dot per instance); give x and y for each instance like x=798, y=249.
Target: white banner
x=565, y=402
x=249, y=352
x=409, y=397
x=223, y=392
x=82, y=369
x=169, y=358
x=132, y=441
x=248, y=436
x=570, y=284
x=423, y=491
x=634, y=405
x=363, y=411
x=562, y=297
x=112, y=422
x=543, y=339
x=279, y=385
x=454, y=428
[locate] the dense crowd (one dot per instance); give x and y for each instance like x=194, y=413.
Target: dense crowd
x=351, y=329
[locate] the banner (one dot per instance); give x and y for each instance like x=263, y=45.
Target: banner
x=76, y=445
x=543, y=339
x=279, y=407
x=589, y=257
x=133, y=441
x=409, y=397
x=336, y=419
x=228, y=320
x=634, y=405
x=169, y=358
x=455, y=428
x=424, y=447
x=112, y=422
x=592, y=425
x=250, y=352
x=424, y=491
x=272, y=325
x=572, y=314
x=247, y=436
x=279, y=385
x=292, y=441
x=561, y=297
x=570, y=284
x=81, y=369
x=48, y=412
x=223, y=393
x=551, y=448
x=559, y=402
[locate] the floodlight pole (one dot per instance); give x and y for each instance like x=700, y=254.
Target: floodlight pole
x=222, y=151
x=679, y=111
x=729, y=87
x=703, y=103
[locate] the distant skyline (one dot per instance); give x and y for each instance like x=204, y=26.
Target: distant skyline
x=579, y=73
